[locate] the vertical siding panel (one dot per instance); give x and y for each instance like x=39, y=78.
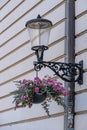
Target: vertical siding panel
x=81, y=54
x=80, y=122
x=17, y=62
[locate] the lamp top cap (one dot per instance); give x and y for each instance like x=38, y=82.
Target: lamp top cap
x=38, y=16
x=38, y=23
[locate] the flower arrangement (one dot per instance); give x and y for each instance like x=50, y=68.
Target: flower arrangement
x=28, y=91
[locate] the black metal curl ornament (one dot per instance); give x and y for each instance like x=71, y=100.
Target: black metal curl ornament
x=70, y=72
x=39, y=30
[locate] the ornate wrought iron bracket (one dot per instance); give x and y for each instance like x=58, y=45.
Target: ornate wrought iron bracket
x=70, y=72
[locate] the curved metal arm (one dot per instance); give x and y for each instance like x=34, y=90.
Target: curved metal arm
x=69, y=72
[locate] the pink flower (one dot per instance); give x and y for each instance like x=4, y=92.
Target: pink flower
x=59, y=83
x=36, y=90
x=55, y=88
x=51, y=82
x=46, y=77
x=66, y=93
x=60, y=88
x=38, y=80
x=17, y=102
x=24, y=81
x=23, y=98
x=42, y=84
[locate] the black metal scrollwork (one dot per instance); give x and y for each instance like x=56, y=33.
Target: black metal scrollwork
x=70, y=72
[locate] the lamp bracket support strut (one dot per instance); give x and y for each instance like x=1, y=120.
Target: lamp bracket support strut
x=69, y=72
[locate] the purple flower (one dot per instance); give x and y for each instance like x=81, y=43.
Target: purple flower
x=59, y=83
x=36, y=90
x=24, y=81
x=16, y=103
x=38, y=80
x=60, y=88
x=55, y=88
x=23, y=98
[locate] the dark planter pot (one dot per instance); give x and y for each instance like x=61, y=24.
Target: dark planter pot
x=39, y=97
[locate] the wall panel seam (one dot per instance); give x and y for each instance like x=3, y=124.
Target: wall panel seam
x=14, y=78
x=81, y=91
x=27, y=72
x=6, y=110
x=33, y=119
x=21, y=16
x=81, y=33
x=5, y=4
x=81, y=112
x=81, y=14
x=30, y=55
x=5, y=96
x=59, y=22
x=9, y=53
x=12, y=10
x=81, y=52
x=27, y=13
x=12, y=37
x=54, y=8
x=42, y=118
x=76, y=93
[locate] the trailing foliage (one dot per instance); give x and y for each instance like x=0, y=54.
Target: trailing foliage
x=26, y=90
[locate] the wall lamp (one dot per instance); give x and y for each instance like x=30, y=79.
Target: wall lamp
x=39, y=31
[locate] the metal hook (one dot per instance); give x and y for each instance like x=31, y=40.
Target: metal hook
x=36, y=73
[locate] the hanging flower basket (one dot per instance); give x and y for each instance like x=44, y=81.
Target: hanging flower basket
x=39, y=97
x=42, y=91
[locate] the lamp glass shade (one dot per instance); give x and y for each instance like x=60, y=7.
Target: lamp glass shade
x=39, y=31
x=39, y=37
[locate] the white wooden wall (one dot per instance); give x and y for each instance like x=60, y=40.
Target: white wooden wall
x=81, y=54
x=16, y=61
